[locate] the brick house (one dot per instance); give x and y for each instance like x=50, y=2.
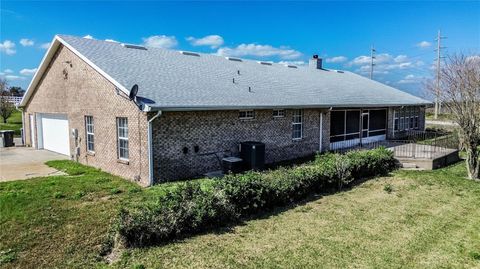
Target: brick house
x=192, y=109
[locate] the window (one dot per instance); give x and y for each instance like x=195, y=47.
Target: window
x=89, y=133
x=279, y=113
x=122, y=135
x=246, y=114
x=297, y=124
x=406, y=118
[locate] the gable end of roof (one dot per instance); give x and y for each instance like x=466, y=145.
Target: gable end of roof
x=55, y=44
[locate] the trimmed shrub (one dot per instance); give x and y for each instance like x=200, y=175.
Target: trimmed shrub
x=183, y=210
x=189, y=208
x=369, y=163
x=248, y=192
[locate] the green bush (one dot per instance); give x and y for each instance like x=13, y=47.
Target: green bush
x=189, y=208
x=185, y=209
x=369, y=163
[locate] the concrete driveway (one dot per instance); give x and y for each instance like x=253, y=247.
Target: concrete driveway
x=22, y=163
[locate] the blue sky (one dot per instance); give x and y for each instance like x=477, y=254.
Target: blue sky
x=340, y=32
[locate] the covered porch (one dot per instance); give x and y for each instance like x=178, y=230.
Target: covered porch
x=351, y=127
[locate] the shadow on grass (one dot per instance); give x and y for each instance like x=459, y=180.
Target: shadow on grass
x=265, y=213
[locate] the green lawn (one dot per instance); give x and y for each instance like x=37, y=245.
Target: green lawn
x=410, y=219
x=14, y=122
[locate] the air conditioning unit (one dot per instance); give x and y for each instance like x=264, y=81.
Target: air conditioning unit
x=253, y=155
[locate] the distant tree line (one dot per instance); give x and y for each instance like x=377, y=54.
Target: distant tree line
x=6, y=107
x=12, y=90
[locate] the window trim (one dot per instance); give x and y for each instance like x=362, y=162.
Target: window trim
x=87, y=133
x=279, y=116
x=297, y=123
x=246, y=112
x=406, y=116
x=124, y=138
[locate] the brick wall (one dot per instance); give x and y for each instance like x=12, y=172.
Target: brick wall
x=390, y=122
x=78, y=90
x=218, y=134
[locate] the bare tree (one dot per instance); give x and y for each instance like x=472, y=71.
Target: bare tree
x=458, y=89
x=6, y=107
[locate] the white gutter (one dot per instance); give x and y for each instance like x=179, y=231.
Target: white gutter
x=23, y=128
x=150, y=147
x=216, y=108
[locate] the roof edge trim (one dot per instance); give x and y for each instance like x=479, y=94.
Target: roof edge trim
x=210, y=108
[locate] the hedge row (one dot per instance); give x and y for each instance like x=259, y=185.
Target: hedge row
x=190, y=209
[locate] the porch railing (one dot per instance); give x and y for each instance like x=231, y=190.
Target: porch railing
x=415, y=144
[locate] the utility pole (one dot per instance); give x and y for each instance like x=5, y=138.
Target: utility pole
x=439, y=57
x=372, y=57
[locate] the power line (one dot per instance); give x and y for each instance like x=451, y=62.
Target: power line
x=439, y=48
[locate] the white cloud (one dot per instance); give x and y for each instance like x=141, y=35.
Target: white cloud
x=45, y=45
x=400, y=59
x=424, y=44
x=28, y=72
x=384, y=63
x=14, y=77
x=260, y=51
x=111, y=40
x=88, y=37
x=361, y=60
x=8, y=47
x=365, y=69
x=214, y=41
x=337, y=59
x=409, y=79
x=26, y=42
x=160, y=41
x=8, y=71
x=379, y=59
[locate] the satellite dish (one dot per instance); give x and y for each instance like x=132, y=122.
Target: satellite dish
x=133, y=92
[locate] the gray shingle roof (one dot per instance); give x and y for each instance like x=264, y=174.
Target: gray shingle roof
x=168, y=79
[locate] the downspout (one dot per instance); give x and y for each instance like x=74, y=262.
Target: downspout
x=320, y=148
x=393, y=123
x=361, y=127
x=150, y=147
x=23, y=127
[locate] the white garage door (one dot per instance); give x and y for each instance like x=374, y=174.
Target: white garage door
x=55, y=134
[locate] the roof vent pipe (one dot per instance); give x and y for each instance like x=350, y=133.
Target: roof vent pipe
x=315, y=62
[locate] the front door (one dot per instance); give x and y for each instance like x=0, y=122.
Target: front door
x=365, y=119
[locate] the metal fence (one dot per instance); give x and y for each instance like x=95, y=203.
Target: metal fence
x=414, y=144
x=12, y=99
